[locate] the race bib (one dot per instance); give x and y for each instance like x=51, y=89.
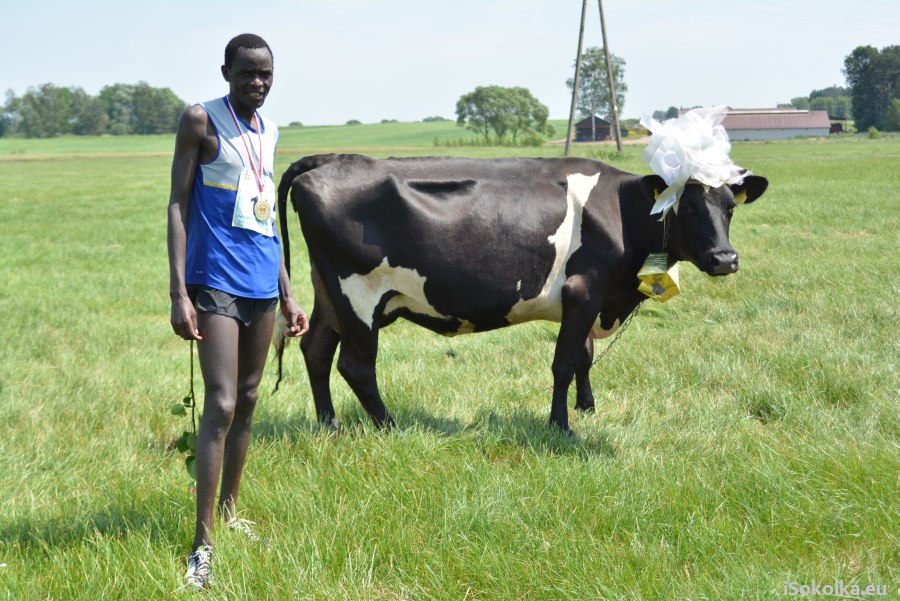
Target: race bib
x=255, y=210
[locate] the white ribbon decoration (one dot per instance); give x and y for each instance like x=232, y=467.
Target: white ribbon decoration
x=692, y=146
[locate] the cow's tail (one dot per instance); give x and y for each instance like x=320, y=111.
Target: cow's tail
x=296, y=169
x=280, y=338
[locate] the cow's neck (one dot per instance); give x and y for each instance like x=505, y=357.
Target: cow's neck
x=644, y=231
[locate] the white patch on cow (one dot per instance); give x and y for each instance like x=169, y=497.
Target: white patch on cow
x=366, y=291
x=519, y=286
x=597, y=331
x=466, y=327
x=567, y=239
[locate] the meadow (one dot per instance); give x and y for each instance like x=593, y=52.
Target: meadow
x=747, y=433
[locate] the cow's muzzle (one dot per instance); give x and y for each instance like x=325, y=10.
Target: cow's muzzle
x=723, y=262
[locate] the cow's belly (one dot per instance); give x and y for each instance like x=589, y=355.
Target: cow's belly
x=407, y=296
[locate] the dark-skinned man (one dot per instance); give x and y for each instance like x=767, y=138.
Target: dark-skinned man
x=226, y=274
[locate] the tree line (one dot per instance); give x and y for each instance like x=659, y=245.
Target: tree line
x=835, y=100
x=47, y=110
x=497, y=114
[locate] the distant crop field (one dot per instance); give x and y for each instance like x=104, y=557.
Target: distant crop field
x=746, y=437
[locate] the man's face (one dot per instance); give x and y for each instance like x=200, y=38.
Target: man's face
x=250, y=77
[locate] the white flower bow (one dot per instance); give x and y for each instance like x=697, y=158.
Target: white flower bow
x=692, y=146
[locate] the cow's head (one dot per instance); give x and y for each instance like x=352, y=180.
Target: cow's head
x=697, y=230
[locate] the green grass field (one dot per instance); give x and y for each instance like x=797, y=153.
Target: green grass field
x=747, y=432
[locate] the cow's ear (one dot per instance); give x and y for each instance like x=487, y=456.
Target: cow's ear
x=750, y=189
x=653, y=186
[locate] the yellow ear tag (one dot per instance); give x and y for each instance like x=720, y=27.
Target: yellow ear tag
x=656, y=194
x=659, y=277
x=741, y=197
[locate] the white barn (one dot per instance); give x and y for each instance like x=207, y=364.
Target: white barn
x=775, y=124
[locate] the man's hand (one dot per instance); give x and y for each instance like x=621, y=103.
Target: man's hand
x=297, y=321
x=184, y=318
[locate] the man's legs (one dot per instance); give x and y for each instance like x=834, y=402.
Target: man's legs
x=232, y=358
x=218, y=353
x=253, y=350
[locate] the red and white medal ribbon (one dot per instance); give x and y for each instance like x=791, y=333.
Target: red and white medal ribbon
x=256, y=173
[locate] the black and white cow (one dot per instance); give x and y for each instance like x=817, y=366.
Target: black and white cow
x=461, y=245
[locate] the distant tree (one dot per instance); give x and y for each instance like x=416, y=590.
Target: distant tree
x=117, y=100
x=836, y=107
x=353, y=122
x=801, y=103
x=435, y=119
x=9, y=116
x=593, y=84
x=154, y=110
x=295, y=124
x=503, y=111
x=388, y=121
x=88, y=114
x=835, y=100
x=874, y=81
x=829, y=92
x=893, y=117
x=670, y=113
x=528, y=116
x=46, y=111
x=140, y=108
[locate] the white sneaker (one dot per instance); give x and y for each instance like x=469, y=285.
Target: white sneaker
x=199, y=570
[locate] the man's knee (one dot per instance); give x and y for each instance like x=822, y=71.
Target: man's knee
x=218, y=412
x=246, y=403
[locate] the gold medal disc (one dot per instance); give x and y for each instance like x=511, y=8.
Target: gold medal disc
x=262, y=210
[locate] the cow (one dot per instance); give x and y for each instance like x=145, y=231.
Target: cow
x=460, y=245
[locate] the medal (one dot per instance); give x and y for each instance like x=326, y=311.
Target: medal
x=262, y=210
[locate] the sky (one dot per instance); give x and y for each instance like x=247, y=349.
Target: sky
x=337, y=60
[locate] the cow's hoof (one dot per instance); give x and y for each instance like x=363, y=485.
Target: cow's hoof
x=585, y=408
x=387, y=423
x=330, y=423
x=562, y=429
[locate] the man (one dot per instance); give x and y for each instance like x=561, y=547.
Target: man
x=226, y=273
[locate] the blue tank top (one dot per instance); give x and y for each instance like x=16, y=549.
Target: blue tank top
x=233, y=259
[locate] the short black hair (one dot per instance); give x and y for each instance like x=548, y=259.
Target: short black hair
x=245, y=40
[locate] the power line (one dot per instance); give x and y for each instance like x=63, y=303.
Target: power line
x=804, y=19
x=816, y=12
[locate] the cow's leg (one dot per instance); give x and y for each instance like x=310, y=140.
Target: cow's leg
x=318, y=346
x=584, y=396
x=356, y=362
x=578, y=315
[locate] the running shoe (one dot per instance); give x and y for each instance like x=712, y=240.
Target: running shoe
x=199, y=570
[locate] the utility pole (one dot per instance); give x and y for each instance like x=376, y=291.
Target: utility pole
x=577, y=77
x=609, y=78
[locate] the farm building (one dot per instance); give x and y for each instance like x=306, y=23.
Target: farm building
x=600, y=130
x=775, y=124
